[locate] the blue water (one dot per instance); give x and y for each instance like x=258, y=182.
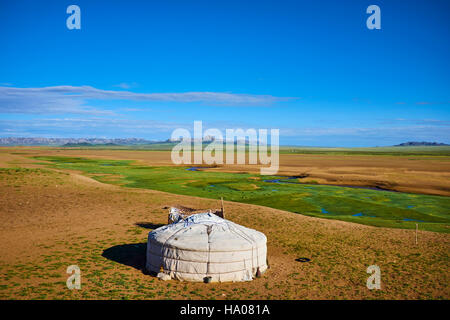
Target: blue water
x=359, y=214
x=408, y=219
x=409, y=207
x=324, y=211
x=211, y=185
x=193, y=168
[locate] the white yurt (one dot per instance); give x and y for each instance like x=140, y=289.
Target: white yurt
x=205, y=247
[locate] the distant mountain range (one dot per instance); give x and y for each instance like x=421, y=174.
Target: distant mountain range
x=80, y=142
x=70, y=141
x=86, y=142
x=423, y=143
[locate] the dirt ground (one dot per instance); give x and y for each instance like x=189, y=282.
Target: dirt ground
x=50, y=220
x=416, y=174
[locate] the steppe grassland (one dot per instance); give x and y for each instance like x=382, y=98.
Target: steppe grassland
x=52, y=218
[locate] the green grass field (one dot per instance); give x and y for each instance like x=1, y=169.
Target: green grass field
x=371, y=207
x=435, y=151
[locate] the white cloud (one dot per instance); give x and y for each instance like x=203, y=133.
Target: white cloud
x=72, y=99
x=81, y=127
x=412, y=132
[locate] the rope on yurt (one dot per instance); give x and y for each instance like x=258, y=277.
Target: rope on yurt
x=245, y=267
x=251, y=241
x=258, y=272
x=164, y=244
x=208, y=231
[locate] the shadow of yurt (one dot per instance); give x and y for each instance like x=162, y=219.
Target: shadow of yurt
x=149, y=225
x=132, y=255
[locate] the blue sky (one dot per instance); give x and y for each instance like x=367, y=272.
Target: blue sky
x=310, y=68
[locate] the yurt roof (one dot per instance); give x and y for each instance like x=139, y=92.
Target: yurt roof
x=207, y=232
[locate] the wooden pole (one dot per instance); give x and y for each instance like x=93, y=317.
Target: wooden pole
x=417, y=227
x=223, y=209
